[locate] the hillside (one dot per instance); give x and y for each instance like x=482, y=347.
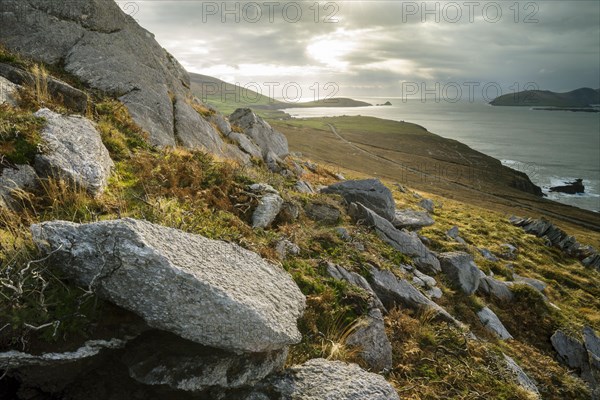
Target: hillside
x=583, y=97
x=207, y=258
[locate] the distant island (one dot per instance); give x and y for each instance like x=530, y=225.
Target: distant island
x=387, y=103
x=583, y=99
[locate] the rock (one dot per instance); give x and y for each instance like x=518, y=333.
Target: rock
x=534, y=283
x=268, y=207
x=412, y=219
x=246, y=144
x=591, y=341
x=426, y=279
x=571, y=352
x=339, y=177
x=369, y=192
x=262, y=188
x=210, y=292
x=427, y=283
x=285, y=247
x=461, y=270
x=312, y=167
x=8, y=92
x=521, y=377
x=488, y=255
x=163, y=359
x=274, y=163
x=494, y=288
x=323, y=213
x=491, y=322
x=509, y=251
x=570, y=187
x=13, y=180
x=15, y=359
x=73, y=150
x=332, y=380
x=403, y=241
x=289, y=213
x=371, y=339
x=393, y=291
x=263, y=135
x=106, y=49
x=340, y=273
x=434, y=293
x=304, y=187
x=427, y=204
x=454, y=234
x=71, y=97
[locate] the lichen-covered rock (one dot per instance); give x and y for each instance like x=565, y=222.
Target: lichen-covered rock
x=371, y=339
x=427, y=204
x=403, y=241
x=210, y=292
x=261, y=133
x=369, y=192
x=461, y=270
x=73, y=150
x=494, y=288
x=491, y=322
x=304, y=187
x=265, y=213
x=393, y=291
x=412, y=219
x=319, y=379
x=323, y=213
x=12, y=180
x=340, y=273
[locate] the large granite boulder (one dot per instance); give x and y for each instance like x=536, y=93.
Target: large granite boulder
x=460, y=268
x=369, y=192
x=261, y=133
x=320, y=379
x=403, y=241
x=210, y=292
x=106, y=49
x=73, y=150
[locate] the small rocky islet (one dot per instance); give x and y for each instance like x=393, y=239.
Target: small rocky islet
x=188, y=316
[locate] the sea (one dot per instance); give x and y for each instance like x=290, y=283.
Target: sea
x=551, y=147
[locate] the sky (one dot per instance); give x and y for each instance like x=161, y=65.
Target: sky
x=454, y=50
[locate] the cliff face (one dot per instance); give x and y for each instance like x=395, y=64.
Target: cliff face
x=105, y=48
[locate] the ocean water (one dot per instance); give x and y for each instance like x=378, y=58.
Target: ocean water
x=551, y=147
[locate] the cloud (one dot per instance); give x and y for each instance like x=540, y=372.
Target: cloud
x=376, y=45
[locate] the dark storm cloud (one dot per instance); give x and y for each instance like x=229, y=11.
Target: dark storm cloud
x=377, y=45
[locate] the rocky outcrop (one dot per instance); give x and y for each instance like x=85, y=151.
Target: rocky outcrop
x=369, y=192
x=371, y=340
x=393, y=291
x=262, y=134
x=210, y=292
x=557, y=237
x=340, y=273
x=461, y=270
x=411, y=219
x=61, y=92
x=570, y=187
x=304, y=187
x=73, y=150
x=322, y=379
x=14, y=180
x=493, y=324
x=107, y=50
x=403, y=241
x=427, y=204
x=574, y=353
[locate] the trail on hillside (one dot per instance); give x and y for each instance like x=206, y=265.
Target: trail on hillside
x=528, y=206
